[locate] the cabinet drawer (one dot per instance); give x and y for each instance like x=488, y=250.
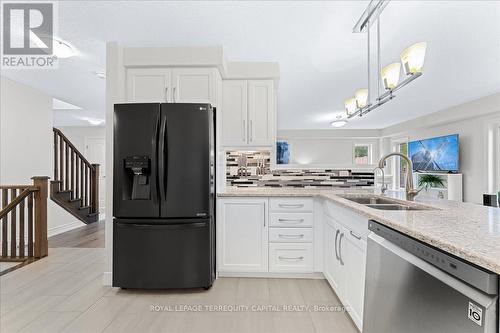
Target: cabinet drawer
x=291, y=220
x=291, y=204
x=289, y=235
x=352, y=221
x=291, y=257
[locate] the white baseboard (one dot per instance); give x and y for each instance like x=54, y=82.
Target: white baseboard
x=107, y=279
x=275, y=275
x=63, y=228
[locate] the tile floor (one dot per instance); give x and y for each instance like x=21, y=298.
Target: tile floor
x=64, y=293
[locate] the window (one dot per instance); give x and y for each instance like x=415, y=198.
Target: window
x=362, y=154
x=403, y=165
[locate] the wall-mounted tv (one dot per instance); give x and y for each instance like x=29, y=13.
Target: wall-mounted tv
x=436, y=154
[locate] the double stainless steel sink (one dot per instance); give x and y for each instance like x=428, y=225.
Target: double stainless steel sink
x=383, y=203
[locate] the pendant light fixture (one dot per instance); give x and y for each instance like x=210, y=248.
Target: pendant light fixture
x=412, y=60
x=390, y=75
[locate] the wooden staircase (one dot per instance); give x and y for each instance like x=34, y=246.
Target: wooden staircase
x=76, y=184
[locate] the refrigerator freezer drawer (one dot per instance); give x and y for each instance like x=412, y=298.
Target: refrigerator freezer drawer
x=162, y=256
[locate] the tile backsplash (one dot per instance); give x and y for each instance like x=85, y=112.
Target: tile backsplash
x=252, y=168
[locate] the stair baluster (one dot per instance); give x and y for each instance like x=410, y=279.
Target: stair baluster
x=76, y=180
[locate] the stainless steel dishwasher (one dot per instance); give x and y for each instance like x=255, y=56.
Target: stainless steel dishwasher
x=413, y=287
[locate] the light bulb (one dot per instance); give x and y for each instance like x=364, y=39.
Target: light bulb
x=413, y=58
x=350, y=106
x=361, y=97
x=390, y=75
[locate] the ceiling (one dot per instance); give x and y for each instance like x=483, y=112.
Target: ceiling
x=321, y=61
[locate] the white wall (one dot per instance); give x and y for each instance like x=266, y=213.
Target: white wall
x=78, y=134
x=471, y=121
x=26, y=143
x=328, y=148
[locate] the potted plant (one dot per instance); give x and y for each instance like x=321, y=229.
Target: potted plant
x=427, y=181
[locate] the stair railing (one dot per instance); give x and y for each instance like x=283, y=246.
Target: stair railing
x=75, y=173
x=23, y=220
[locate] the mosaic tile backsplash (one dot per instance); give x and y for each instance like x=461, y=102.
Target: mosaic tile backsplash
x=246, y=169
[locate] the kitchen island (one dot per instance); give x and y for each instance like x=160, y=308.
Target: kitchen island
x=468, y=231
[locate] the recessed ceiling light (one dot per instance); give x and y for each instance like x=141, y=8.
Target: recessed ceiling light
x=100, y=74
x=94, y=121
x=339, y=122
x=63, y=49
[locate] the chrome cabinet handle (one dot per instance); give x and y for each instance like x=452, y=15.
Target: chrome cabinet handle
x=340, y=249
x=290, y=258
x=166, y=94
x=336, y=236
x=291, y=205
x=244, y=132
x=291, y=236
x=355, y=235
x=251, y=130
x=173, y=94
x=291, y=221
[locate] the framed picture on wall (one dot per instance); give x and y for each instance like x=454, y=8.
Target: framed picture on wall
x=282, y=152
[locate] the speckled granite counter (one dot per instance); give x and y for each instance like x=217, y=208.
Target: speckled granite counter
x=469, y=231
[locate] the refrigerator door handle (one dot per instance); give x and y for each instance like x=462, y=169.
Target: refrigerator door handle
x=194, y=225
x=161, y=158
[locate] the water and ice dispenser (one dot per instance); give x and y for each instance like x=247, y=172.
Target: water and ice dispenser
x=138, y=182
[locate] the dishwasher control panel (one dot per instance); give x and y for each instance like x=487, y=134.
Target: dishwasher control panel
x=467, y=272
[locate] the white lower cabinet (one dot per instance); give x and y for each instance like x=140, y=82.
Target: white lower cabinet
x=344, y=253
x=242, y=235
x=276, y=235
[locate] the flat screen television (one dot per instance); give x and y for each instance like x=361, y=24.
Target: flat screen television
x=438, y=154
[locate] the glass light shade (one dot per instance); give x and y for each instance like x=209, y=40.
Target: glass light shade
x=413, y=57
x=350, y=106
x=390, y=75
x=361, y=97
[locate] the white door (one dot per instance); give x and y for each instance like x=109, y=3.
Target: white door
x=332, y=255
x=149, y=85
x=260, y=112
x=242, y=236
x=194, y=85
x=95, y=153
x=234, y=113
x=355, y=260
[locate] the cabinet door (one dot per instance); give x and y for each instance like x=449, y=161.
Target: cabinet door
x=336, y=270
x=148, y=85
x=234, y=113
x=194, y=85
x=242, y=235
x=355, y=263
x=260, y=112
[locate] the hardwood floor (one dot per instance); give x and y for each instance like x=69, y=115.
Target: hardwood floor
x=88, y=236
x=64, y=293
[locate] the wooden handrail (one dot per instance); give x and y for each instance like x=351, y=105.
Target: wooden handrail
x=15, y=202
x=66, y=140
x=75, y=173
x=31, y=202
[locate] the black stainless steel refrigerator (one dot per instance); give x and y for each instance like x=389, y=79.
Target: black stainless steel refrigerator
x=163, y=196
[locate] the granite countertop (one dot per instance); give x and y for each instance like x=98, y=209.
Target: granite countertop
x=468, y=231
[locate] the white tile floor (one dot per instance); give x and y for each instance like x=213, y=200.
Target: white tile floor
x=64, y=293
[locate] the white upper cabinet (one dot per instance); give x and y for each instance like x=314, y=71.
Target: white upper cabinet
x=235, y=112
x=194, y=85
x=172, y=85
x=242, y=235
x=148, y=85
x=260, y=112
x=248, y=113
